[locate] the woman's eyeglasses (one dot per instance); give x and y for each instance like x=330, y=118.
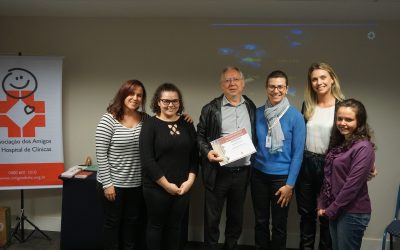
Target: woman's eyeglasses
x=279, y=87
x=167, y=102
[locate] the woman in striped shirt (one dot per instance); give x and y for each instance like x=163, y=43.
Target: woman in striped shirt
x=119, y=175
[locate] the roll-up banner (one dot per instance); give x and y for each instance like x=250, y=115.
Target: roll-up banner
x=31, y=143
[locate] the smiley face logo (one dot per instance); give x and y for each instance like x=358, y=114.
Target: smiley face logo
x=19, y=81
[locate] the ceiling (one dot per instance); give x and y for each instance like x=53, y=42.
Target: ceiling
x=366, y=10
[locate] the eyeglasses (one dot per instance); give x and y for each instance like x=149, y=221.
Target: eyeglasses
x=279, y=87
x=167, y=102
x=229, y=80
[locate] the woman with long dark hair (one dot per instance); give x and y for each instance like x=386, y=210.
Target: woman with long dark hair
x=120, y=174
x=344, y=195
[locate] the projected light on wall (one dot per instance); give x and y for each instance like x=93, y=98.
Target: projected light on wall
x=249, y=54
x=294, y=37
x=260, y=48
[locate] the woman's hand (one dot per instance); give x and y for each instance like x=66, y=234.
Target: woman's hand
x=321, y=212
x=373, y=173
x=172, y=189
x=187, y=118
x=169, y=187
x=187, y=185
x=285, y=193
x=109, y=193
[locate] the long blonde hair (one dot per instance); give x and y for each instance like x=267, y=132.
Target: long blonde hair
x=310, y=97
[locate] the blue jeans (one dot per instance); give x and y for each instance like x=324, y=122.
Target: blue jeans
x=347, y=230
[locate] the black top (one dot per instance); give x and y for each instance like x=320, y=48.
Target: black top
x=168, y=149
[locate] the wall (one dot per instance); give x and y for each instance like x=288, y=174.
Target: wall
x=100, y=53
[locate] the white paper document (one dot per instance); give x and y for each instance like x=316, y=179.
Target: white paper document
x=234, y=146
x=73, y=171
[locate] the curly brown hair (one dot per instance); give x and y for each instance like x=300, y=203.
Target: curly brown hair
x=157, y=96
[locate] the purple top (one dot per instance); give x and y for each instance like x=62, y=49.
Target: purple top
x=345, y=184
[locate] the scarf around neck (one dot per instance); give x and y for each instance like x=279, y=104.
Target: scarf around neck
x=272, y=115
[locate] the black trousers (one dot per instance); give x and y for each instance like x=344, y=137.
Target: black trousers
x=124, y=219
x=165, y=216
x=308, y=187
x=230, y=186
x=263, y=189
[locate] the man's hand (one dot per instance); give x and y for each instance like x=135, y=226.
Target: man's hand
x=213, y=156
x=285, y=195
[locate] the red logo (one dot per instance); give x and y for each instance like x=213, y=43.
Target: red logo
x=20, y=113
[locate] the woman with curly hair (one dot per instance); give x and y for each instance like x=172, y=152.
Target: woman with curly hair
x=344, y=195
x=169, y=156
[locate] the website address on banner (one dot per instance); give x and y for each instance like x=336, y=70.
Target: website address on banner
x=22, y=178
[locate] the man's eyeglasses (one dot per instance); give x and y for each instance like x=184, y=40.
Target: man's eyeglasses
x=279, y=87
x=229, y=80
x=167, y=102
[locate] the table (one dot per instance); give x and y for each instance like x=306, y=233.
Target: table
x=82, y=214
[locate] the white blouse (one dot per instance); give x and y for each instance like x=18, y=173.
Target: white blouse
x=319, y=128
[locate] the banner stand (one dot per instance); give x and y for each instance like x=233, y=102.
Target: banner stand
x=20, y=225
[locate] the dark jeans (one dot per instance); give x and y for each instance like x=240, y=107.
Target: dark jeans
x=308, y=187
x=124, y=219
x=230, y=185
x=165, y=215
x=348, y=230
x=263, y=189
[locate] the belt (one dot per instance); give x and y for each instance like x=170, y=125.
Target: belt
x=234, y=169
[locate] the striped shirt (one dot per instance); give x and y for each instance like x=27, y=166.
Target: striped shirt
x=117, y=152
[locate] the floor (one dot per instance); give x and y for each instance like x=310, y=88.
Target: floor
x=39, y=242
x=35, y=242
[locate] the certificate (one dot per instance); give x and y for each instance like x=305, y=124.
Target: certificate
x=234, y=146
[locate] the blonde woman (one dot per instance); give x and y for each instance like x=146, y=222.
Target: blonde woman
x=321, y=95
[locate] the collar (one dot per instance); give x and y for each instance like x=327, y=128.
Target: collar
x=225, y=101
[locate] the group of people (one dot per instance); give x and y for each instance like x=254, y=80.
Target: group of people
x=147, y=165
